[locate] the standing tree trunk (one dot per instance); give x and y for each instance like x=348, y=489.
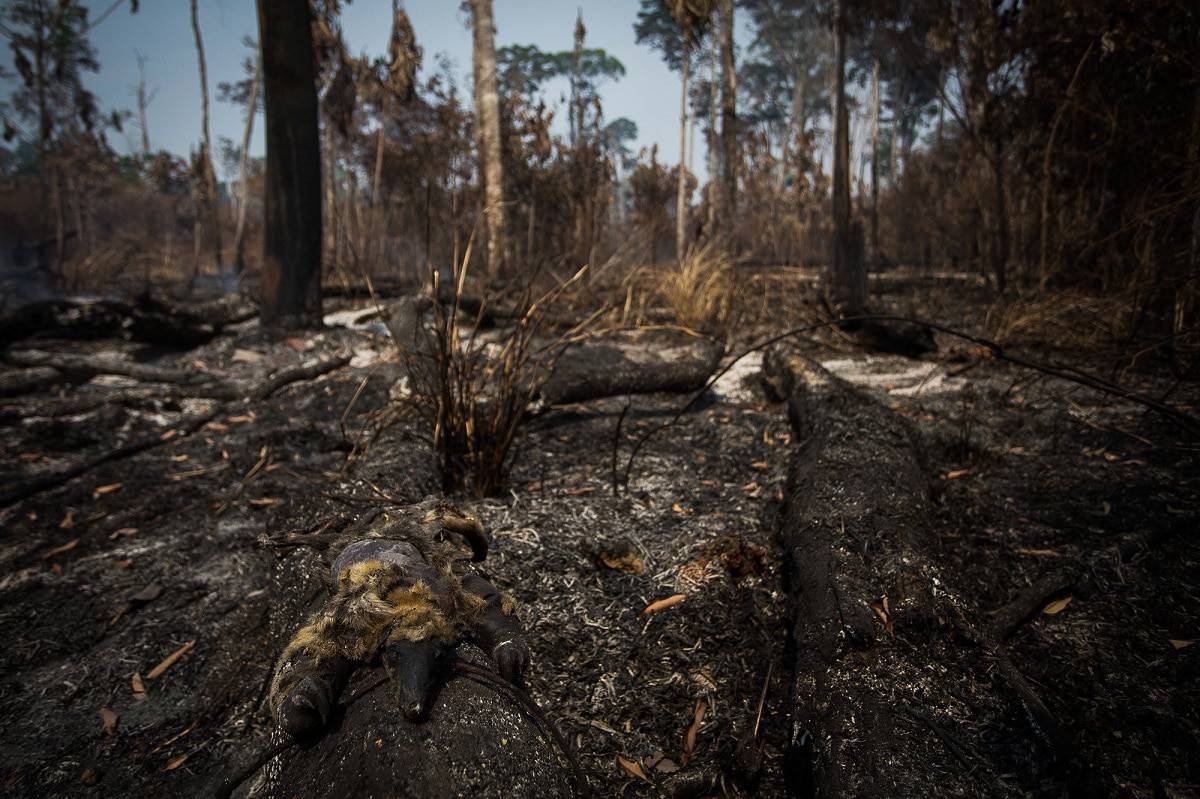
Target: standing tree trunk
x=713, y=161
x=207, y=206
x=291, y=270
x=729, y=166
x=681, y=204
x=577, y=82
x=142, y=102
x=239, y=236
x=487, y=113
x=876, y=258
x=848, y=282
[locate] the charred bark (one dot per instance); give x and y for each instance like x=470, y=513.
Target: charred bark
x=897, y=691
x=291, y=269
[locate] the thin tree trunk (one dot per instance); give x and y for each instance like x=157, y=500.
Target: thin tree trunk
x=291, y=268
x=1000, y=253
x=875, y=255
x=728, y=111
x=681, y=198
x=239, y=236
x=577, y=82
x=487, y=112
x=714, y=192
x=142, y=103
x=849, y=274
x=209, y=204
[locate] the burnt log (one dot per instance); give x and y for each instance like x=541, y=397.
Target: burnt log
x=24, y=381
x=896, y=690
x=477, y=742
x=146, y=319
x=638, y=363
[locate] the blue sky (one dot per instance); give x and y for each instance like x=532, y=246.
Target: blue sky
x=161, y=30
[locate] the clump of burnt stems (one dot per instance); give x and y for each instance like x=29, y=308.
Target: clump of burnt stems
x=470, y=387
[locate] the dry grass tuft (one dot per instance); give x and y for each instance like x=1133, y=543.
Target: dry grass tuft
x=702, y=289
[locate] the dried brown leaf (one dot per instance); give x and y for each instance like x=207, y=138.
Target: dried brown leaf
x=663, y=604
x=100, y=491
x=68, y=521
x=1180, y=643
x=170, y=660
x=138, y=686
x=176, y=762
x=954, y=474
x=60, y=550
x=633, y=768
x=689, y=735
x=109, y=719
x=1057, y=606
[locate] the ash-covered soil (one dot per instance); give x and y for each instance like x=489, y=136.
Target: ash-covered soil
x=109, y=575
x=116, y=572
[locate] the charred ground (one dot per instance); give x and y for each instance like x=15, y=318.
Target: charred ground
x=1038, y=491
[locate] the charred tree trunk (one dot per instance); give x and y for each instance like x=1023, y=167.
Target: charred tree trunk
x=848, y=278
x=729, y=165
x=291, y=270
x=142, y=102
x=487, y=113
x=876, y=258
x=681, y=203
x=206, y=210
x=239, y=236
x=714, y=192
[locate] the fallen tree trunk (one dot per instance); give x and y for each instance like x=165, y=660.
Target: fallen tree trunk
x=896, y=691
x=146, y=319
x=23, y=381
x=477, y=742
x=643, y=363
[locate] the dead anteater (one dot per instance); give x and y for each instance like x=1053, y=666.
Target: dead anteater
x=398, y=593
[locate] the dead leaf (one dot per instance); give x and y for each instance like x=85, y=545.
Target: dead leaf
x=176, y=762
x=954, y=474
x=297, y=343
x=663, y=604
x=109, y=719
x=124, y=563
x=217, y=427
x=689, y=735
x=123, y=532
x=760, y=466
x=68, y=521
x=180, y=458
x=1057, y=606
x=682, y=511
x=247, y=356
x=241, y=418
x=666, y=766
x=632, y=768
x=148, y=594
x=174, y=737
x=89, y=776
x=170, y=660
x=167, y=436
x=100, y=491
x=880, y=606
x=580, y=491
x=138, y=686
x=60, y=550
x=265, y=502
x=1040, y=553
x=752, y=489
x=1180, y=644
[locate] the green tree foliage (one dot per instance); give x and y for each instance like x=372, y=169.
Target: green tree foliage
x=51, y=52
